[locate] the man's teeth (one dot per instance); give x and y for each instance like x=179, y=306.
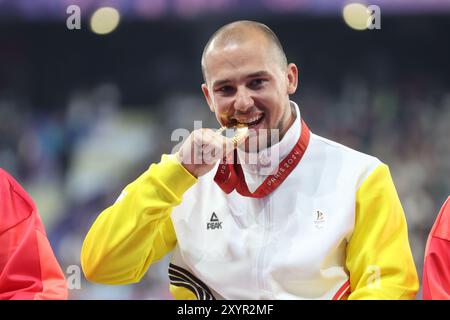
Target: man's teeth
x=247, y=121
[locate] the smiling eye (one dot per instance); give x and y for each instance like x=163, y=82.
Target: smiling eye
x=225, y=89
x=256, y=83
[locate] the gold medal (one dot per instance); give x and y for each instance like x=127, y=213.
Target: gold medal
x=241, y=131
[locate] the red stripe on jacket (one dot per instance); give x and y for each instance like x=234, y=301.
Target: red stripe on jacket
x=343, y=291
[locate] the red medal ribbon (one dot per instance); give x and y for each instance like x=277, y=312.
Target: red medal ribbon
x=230, y=176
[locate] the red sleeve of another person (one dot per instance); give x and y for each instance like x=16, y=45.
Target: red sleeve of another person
x=436, y=271
x=28, y=267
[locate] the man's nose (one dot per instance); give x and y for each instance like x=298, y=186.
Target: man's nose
x=244, y=100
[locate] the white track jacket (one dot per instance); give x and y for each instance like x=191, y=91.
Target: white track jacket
x=334, y=229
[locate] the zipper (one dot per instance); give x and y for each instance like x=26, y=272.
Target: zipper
x=261, y=262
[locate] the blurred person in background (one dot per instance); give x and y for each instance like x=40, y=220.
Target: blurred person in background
x=28, y=267
x=325, y=224
x=436, y=271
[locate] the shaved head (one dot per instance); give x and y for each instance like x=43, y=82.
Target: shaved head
x=239, y=32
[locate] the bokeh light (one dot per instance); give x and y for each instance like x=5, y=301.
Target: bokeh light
x=356, y=16
x=105, y=20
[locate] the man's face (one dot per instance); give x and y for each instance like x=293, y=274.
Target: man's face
x=246, y=83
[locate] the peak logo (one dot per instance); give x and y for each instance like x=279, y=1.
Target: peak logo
x=214, y=223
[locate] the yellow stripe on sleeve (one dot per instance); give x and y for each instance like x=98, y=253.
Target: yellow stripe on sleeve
x=379, y=257
x=137, y=230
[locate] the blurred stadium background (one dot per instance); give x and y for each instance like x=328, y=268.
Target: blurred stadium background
x=82, y=113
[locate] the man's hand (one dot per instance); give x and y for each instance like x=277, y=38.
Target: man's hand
x=201, y=151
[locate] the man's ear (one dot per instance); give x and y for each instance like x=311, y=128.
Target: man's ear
x=208, y=97
x=292, y=78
